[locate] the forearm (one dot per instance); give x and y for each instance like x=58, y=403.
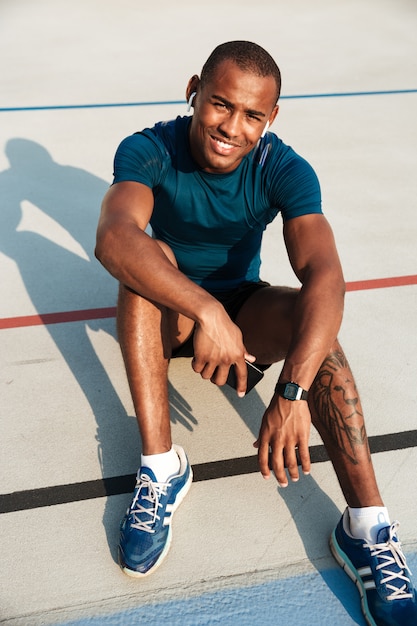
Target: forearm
x=137, y=261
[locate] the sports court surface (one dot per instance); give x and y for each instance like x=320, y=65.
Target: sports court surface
x=77, y=77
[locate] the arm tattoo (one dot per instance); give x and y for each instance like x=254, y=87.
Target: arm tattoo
x=337, y=406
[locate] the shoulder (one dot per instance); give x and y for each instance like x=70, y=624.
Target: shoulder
x=164, y=135
x=144, y=155
x=279, y=158
x=291, y=181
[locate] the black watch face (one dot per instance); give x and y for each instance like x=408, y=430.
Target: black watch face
x=291, y=391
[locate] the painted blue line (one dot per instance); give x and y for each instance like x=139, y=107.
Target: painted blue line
x=348, y=94
x=106, y=105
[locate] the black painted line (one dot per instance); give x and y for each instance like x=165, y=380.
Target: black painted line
x=76, y=492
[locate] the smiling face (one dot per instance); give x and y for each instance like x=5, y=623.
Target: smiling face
x=230, y=113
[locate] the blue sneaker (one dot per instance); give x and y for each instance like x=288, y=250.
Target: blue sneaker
x=145, y=531
x=380, y=573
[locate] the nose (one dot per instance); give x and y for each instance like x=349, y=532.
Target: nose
x=231, y=126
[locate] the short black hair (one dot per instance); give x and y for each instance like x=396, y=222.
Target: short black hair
x=248, y=56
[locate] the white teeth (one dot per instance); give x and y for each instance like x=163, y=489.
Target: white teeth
x=222, y=144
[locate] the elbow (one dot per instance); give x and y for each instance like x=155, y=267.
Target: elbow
x=329, y=276
x=103, y=248
x=337, y=286
x=328, y=283
x=99, y=249
x=341, y=287
x=339, y=291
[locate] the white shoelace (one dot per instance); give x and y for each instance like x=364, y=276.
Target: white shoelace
x=390, y=554
x=154, y=492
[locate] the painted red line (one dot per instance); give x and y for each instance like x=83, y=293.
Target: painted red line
x=381, y=283
x=43, y=319
x=57, y=318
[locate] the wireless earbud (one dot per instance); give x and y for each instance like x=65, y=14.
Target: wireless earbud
x=190, y=101
x=265, y=129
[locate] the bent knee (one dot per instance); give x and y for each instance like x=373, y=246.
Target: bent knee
x=167, y=250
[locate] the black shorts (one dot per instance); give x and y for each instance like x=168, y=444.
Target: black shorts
x=232, y=301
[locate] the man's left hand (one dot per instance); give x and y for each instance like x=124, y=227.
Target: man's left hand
x=285, y=428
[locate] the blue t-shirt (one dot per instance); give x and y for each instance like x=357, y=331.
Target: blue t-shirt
x=214, y=222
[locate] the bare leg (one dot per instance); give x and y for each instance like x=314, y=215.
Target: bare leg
x=139, y=326
x=336, y=412
x=266, y=322
x=147, y=333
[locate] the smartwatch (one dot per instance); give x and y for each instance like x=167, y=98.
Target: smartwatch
x=291, y=391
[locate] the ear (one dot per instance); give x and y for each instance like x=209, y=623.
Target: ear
x=192, y=86
x=273, y=115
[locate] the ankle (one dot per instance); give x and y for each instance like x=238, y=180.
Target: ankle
x=366, y=522
x=163, y=465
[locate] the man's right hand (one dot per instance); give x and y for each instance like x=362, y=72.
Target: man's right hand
x=217, y=345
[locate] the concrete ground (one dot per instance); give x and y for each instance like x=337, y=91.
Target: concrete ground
x=77, y=77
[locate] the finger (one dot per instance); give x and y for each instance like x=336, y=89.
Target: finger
x=250, y=357
x=292, y=464
x=241, y=370
x=197, y=365
x=208, y=371
x=205, y=370
x=263, y=458
x=304, y=456
x=220, y=375
x=278, y=467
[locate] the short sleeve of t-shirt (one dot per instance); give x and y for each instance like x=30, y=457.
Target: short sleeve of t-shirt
x=292, y=184
x=140, y=158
